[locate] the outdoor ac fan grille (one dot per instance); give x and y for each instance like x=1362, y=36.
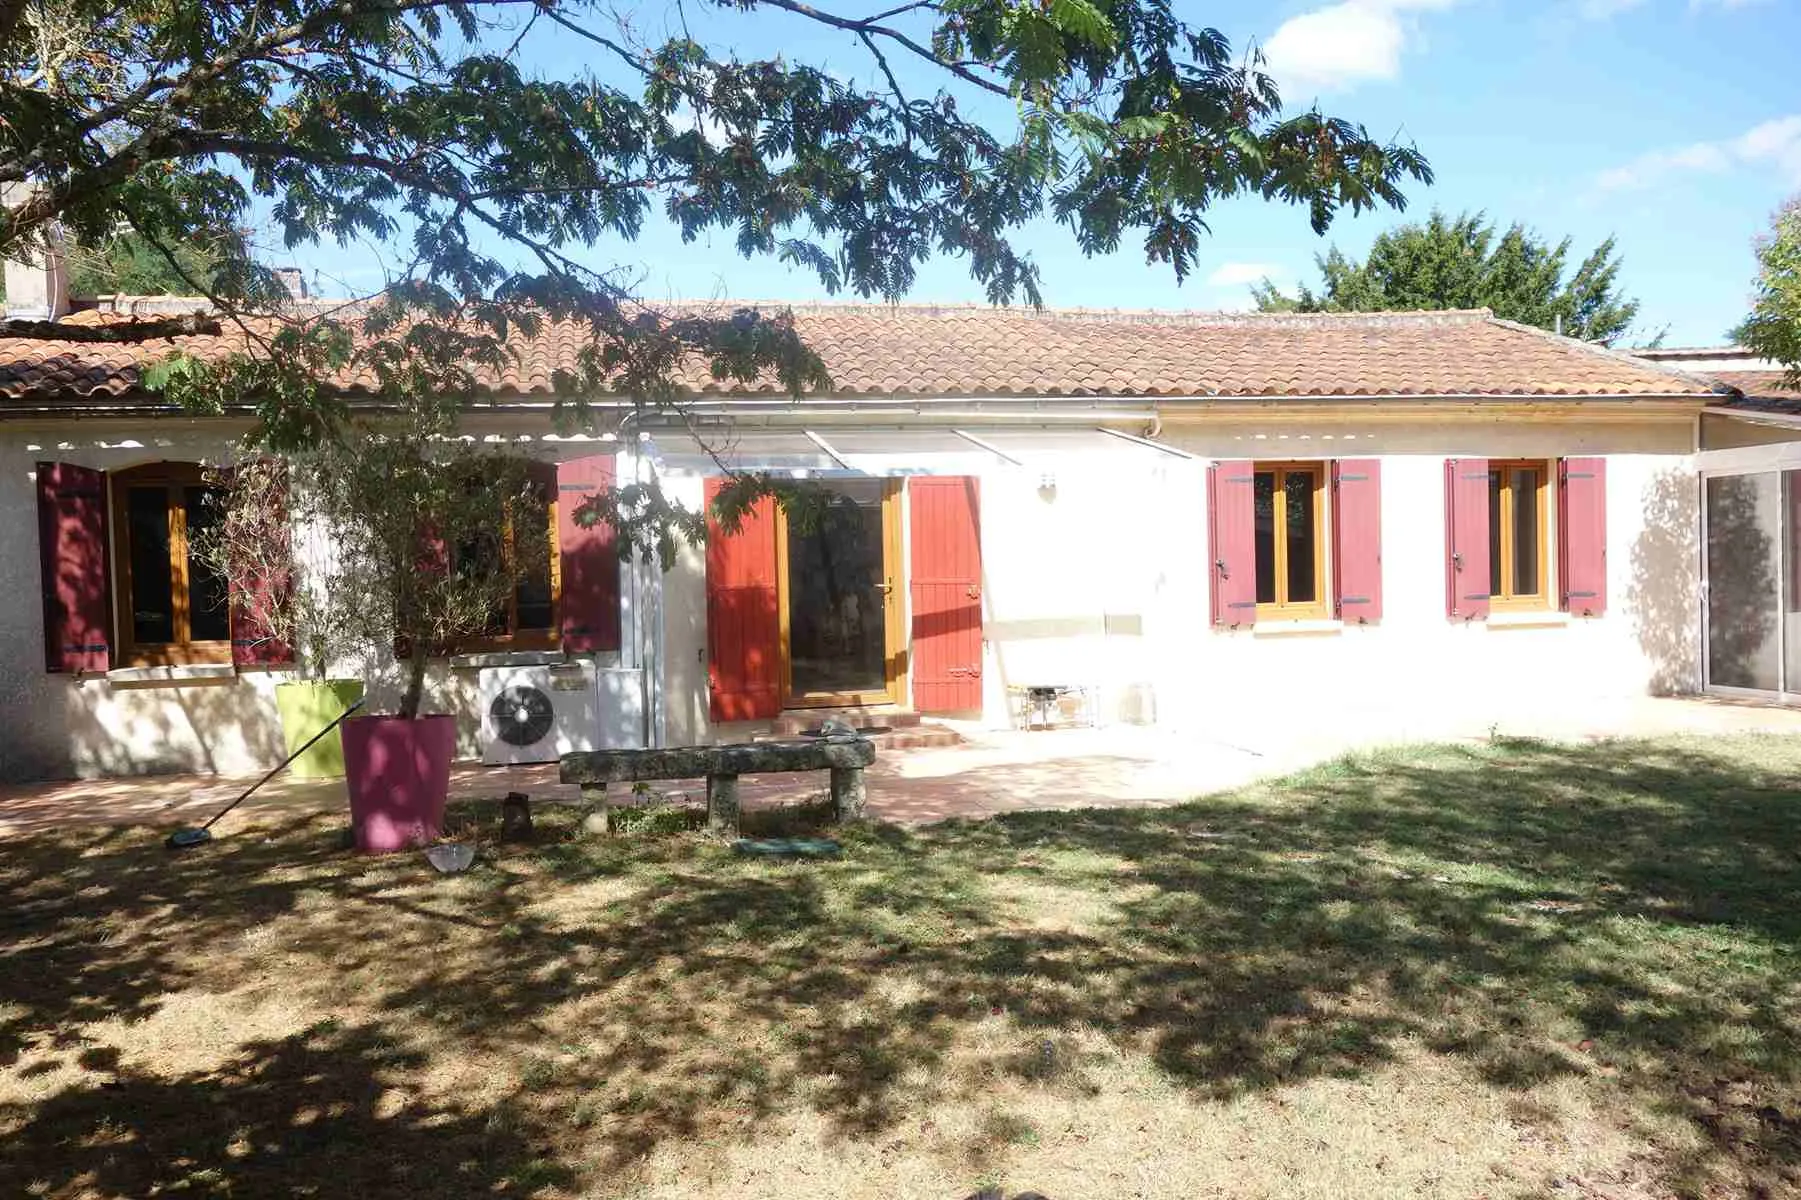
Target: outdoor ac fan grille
x=521, y=716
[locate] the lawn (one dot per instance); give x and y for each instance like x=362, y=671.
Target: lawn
x=1514, y=969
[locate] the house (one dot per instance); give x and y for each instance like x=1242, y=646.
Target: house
x=1186, y=520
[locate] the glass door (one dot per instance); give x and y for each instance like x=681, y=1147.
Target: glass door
x=1745, y=602
x=838, y=568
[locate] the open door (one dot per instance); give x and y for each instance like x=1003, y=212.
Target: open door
x=946, y=591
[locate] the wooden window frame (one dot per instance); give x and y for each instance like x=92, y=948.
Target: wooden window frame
x=1320, y=607
x=551, y=637
x=175, y=478
x=1505, y=599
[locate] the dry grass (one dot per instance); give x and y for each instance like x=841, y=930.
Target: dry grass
x=1516, y=970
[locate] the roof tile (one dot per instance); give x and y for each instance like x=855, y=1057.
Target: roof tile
x=951, y=351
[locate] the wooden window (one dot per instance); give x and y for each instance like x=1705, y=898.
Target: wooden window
x=1290, y=540
x=528, y=620
x=171, y=607
x=1519, y=570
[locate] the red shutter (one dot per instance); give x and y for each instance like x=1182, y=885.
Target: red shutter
x=1467, y=581
x=1582, y=535
x=72, y=559
x=945, y=541
x=743, y=626
x=588, y=558
x=1357, y=538
x=1232, y=526
x=253, y=643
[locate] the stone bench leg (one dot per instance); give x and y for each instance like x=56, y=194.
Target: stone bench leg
x=599, y=816
x=848, y=793
x=722, y=804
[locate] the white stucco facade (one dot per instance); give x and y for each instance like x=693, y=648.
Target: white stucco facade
x=1095, y=573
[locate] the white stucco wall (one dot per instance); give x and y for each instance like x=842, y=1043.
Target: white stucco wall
x=1094, y=563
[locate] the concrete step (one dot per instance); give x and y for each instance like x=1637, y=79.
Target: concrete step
x=869, y=720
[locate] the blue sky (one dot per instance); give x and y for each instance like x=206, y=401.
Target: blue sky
x=1674, y=125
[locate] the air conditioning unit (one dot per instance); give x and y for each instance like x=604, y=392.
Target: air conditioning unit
x=540, y=713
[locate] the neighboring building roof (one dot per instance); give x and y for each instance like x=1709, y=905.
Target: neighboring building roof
x=1761, y=385
x=976, y=351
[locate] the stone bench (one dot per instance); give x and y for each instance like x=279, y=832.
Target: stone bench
x=845, y=758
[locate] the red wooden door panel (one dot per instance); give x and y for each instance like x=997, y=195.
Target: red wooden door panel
x=1582, y=535
x=1467, y=580
x=744, y=628
x=1357, y=541
x=946, y=592
x=72, y=560
x=1232, y=530
x=587, y=559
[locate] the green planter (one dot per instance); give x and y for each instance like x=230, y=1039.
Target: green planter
x=306, y=707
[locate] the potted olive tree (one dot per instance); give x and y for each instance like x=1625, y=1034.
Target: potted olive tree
x=431, y=535
x=269, y=544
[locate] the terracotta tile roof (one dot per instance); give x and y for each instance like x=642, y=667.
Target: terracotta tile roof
x=1758, y=384
x=979, y=351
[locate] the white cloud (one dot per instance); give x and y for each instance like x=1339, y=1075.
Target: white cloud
x=1238, y=274
x=1774, y=145
x=1342, y=45
x=1601, y=10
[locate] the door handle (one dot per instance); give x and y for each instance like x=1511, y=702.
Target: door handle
x=974, y=592
x=1221, y=564
x=883, y=588
x=1457, y=560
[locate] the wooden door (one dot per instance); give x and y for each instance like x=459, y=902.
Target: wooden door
x=946, y=591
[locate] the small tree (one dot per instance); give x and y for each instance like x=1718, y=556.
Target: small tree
x=1773, y=329
x=430, y=536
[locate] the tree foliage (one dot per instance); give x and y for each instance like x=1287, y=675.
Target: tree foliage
x=421, y=129
x=1466, y=262
x=1773, y=329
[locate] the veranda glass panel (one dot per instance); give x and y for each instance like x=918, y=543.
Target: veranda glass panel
x=1791, y=581
x=1744, y=531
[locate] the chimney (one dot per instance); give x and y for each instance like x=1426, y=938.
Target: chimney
x=37, y=274
x=293, y=280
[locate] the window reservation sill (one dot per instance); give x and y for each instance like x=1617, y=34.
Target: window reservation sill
x=1539, y=619
x=1308, y=627
x=182, y=673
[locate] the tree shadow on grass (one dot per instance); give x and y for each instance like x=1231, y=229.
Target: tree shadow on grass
x=323, y=1113
x=1619, y=910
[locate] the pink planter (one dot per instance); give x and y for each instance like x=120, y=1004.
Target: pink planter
x=398, y=774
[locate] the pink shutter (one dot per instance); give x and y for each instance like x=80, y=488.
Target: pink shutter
x=253, y=641
x=72, y=561
x=944, y=526
x=1357, y=539
x=1582, y=535
x=588, y=559
x=1232, y=528
x=744, y=630
x=1467, y=581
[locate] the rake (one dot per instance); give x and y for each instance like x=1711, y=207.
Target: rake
x=188, y=838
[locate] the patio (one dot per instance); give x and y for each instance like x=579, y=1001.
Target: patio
x=991, y=773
